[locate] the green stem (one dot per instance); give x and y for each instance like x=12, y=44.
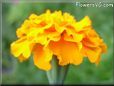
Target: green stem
x=57, y=74
x=62, y=74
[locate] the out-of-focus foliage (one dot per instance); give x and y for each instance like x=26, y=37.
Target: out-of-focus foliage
x=14, y=72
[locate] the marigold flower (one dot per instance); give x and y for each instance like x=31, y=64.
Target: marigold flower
x=57, y=34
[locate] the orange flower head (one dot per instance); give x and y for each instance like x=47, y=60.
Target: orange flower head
x=57, y=34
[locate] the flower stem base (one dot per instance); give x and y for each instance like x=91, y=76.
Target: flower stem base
x=57, y=74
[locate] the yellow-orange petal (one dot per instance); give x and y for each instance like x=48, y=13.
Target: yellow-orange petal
x=75, y=37
x=103, y=47
x=42, y=57
x=66, y=52
x=21, y=46
x=24, y=29
x=81, y=25
x=22, y=58
x=98, y=60
x=59, y=28
x=33, y=16
x=91, y=41
x=68, y=18
x=92, y=53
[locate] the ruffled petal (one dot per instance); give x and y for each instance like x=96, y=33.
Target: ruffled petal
x=24, y=29
x=92, y=53
x=21, y=46
x=74, y=37
x=42, y=57
x=22, y=58
x=98, y=60
x=66, y=52
x=103, y=46
x=83, y=24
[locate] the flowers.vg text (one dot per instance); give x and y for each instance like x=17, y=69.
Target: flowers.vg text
x=97, y=4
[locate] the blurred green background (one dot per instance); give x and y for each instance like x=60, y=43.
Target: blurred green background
x=14, y=72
